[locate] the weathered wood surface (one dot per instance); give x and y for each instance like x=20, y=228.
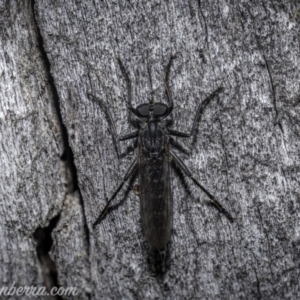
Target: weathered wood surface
x=246, y=151
x=36, y=184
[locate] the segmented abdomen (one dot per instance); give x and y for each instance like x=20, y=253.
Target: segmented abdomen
x=156, y=197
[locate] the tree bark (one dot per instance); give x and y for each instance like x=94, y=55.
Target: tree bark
x=60, y=165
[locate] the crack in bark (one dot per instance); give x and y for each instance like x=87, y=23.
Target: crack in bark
x=205, y=24
x=259, y=296
x=44, y=244
x=225, y=152
x=268, y=241
x=67, y=157
x=273, y=93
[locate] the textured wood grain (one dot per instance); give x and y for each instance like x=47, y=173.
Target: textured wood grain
x=32, y=175
x=246, y=151
x=35, y=174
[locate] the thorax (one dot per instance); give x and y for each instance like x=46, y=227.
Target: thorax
x=153, y=138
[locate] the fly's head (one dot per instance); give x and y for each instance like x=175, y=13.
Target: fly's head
x=152, y=112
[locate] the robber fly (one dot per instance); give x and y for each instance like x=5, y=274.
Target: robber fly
x=154, y=160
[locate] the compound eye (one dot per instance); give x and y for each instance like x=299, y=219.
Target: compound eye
x=160, y=109
x=143, y=110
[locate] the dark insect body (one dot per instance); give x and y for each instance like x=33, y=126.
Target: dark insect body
x=154, y=161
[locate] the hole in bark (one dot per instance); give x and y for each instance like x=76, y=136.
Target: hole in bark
x=44, y=244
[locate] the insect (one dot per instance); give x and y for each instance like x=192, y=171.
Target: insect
x=154, y=160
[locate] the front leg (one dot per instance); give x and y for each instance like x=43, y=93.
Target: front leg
x=130, y=108
x=111, y=123
x=167, y=88
x=200, y=109
x=186, y=171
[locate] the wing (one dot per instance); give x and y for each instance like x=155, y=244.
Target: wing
x=156, y=197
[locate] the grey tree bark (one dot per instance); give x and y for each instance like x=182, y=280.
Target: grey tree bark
x=59, y=164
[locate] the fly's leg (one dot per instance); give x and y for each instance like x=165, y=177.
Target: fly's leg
x=167, y=88
x=129, y=93
x=180, y=146
x=129, y=136
x=200, y=109
x=185, y=170
x=131, y=170
x=111, y=123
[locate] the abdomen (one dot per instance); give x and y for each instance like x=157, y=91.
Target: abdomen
x=156, y=198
